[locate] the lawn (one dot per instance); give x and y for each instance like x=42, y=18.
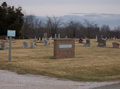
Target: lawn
x=90, y=63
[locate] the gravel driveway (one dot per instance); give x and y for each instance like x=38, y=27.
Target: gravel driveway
x=11, y=80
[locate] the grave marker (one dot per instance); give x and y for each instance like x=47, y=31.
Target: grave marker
x=58, y=36
x=81, y=40
x=115, y=45
x=66, y=37
x=55, y=36
x=25, y=45
x=3, y=45
x=96, y=36
x=87, y=44
x=32, y=45
x=101, y=43
x=45, y=35
x=46, y=43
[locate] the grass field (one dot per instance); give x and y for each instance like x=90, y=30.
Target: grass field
x=90, y=63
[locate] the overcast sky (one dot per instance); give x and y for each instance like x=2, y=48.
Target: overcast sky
x=100, y=11
x=66, y=7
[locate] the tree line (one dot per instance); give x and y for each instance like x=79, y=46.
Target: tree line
x=34, y=26
x=29, y=26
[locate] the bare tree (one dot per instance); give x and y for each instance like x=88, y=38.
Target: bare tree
x=32, y=26
x=90, y=26
x=28, y=25
x=117, y=31
x=72, y=28
x=74, y=25
x=53, y=23
x=105, y=30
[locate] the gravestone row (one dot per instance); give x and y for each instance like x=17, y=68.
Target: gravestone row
x=25, y=45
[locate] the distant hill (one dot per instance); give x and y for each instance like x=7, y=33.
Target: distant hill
x=113, y=20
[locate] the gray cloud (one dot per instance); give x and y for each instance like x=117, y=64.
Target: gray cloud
x=100, y=11
x=112, y=20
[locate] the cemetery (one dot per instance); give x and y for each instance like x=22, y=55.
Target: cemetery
x=84, y=63
x=73, y=49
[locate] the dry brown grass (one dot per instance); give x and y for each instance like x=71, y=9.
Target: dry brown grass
x=90, y=63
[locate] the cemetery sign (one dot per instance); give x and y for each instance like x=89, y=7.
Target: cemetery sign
x=10, y=33
x=64, y=48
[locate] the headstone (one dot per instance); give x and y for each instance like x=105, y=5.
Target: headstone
x=106, y=38
x=35, y=42
x=35, y=37
x=109, y=39
x=87, y=44
x=96, y=36
x=25, y=45
x=115, y=45
x=13, y=40
x=81, y=40
x=53, y=42
x=101, y=43
x=45, y=35
x=85, y=37
x=3, y=45
x=55, y=36
x=46, y=42
x=58, y=36
x=66, y=37
x=101, y=36
x=32, y=45
x=6, y=39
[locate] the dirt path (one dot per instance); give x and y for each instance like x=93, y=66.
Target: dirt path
x=10, y=80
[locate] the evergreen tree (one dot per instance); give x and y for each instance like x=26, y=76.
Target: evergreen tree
x=11, y=18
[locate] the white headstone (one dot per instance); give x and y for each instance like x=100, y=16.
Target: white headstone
x=66, y=37
x=45, y=35
x=46, y=42
x=55, y=36
x=106, y=38
x=58, y=36
x=25, y=45
x=32, y=45
x=96, y=36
